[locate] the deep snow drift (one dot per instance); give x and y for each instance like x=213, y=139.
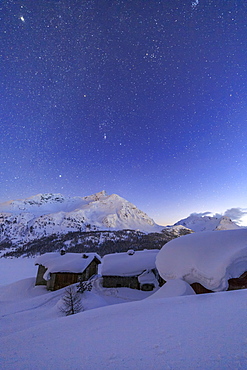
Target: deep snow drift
x=14, y=269
x=173, y=288
x=209, y=258
x=190, y=332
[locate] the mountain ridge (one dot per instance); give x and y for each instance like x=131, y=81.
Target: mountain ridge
x=48, y=222
x=199, y=223
x=46, y=214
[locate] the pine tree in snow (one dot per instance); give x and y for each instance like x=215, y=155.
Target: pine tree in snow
x=71, y=302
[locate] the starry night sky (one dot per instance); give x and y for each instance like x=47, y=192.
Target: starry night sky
x=143, y=98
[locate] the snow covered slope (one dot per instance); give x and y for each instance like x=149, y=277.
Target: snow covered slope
x=207, y=223
x=46, y=214
x=14, y=269
x=209, y=258
x=189, y=332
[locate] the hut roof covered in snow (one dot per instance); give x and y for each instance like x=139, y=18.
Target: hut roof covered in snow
x=131, y=263
x=209, y=258
x=68, y=262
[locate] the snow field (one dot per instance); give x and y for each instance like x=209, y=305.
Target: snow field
x=187, y=332
x=170, y=328
x=14, y=269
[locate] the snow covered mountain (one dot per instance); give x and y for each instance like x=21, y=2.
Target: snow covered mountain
x=207, y=223
x=46, y=214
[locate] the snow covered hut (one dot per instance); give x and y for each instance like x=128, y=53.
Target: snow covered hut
x=209, y=262
x=132, y=269
x=58, y=270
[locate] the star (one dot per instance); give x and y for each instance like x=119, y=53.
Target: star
x=194, y=4
x=155, y=95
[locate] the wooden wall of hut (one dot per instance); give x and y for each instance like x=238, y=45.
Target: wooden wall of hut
x=60, y=280
x=200, y=289
x=238, y=283
x=121, y=281
x=40, y=273
x=91, y=270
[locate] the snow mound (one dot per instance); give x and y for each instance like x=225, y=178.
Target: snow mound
x=207, y=223
x=14, y=269
x=209, y=258
x=19, y=290
x=173, y=288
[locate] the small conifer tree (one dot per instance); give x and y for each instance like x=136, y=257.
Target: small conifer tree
x=71, y=302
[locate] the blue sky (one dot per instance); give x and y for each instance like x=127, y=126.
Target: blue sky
x=144, y=99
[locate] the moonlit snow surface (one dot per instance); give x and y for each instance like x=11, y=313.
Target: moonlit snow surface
x=209, y=258
x=191, y=332
x=13, y=269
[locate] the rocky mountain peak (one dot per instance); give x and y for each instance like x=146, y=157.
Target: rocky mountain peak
x=199, y=223
x=46, y=214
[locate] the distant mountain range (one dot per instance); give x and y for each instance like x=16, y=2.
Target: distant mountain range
x=207, y=223
x=47, y=222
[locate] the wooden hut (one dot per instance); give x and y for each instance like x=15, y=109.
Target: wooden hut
x=58, y=270
x=200, y=289
x=238, y=283
x=233, y=284
x=210, y=261
x=132, y=269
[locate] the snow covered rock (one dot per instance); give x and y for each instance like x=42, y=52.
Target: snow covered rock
x=207, y=223
x=209, y=258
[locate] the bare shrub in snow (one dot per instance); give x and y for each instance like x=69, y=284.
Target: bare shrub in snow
x=84, y=286
x=71, y=302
